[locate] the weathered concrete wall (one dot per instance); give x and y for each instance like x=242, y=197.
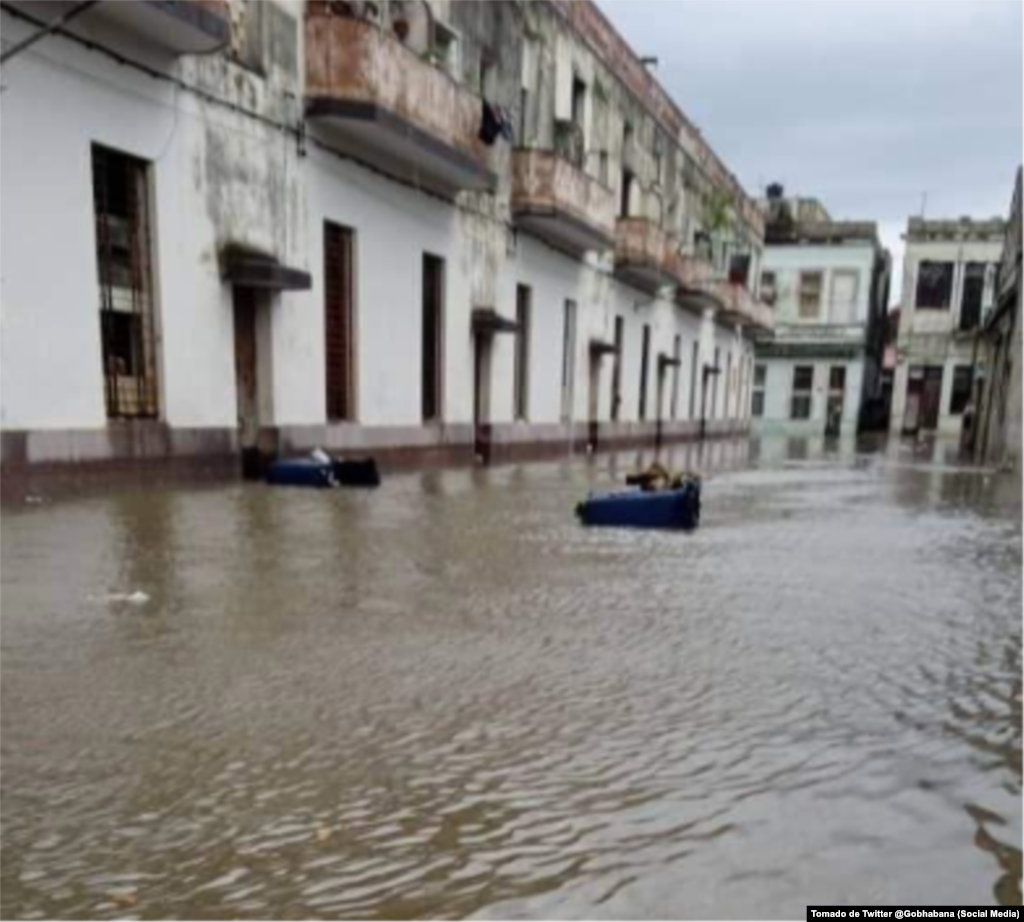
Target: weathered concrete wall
x=1002, y=406
x=545, y=181
x=1013, y=406
x=676, y=190
x=931, y=337
x=787, y=262
x=779, y=393
x=227, y=167
x=844, y=325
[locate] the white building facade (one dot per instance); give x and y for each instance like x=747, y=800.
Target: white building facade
x=422, y=231
x=998, y=437
x=949, y=274
x=829, y=281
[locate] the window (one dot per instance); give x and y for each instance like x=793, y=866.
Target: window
x=961, y=394
x=934, y=285
x=843, y=296
x=247, y=36
x=486, y=75
x=568, y=359
x=803, y=383
x=768, y=283
x=739, y=268
x=626, y=193
x=974, y=288
x=522, y=369
x=810, y=295
x=528, y=85
x=645, y=357
x=757, y=394
x=121, y=203
x=433, y=333
x=524, y=108
x=339, y=345
x=579, y=104
x=626, y=185
x=445, y=48
x=835, y=400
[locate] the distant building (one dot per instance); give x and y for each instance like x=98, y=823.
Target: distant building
x=948, y=282
x=999, y=423
x=829, y=283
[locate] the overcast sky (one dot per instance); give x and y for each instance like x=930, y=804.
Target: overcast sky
x=864, y=104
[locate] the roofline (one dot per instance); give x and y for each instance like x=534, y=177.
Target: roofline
x=567, y=10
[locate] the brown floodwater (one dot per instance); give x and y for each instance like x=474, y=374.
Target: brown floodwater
x=446, y=699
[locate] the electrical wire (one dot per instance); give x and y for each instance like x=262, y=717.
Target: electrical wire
x=297, y=132
x=46, y=29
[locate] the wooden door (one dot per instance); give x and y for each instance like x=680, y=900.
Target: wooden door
x=931, y=398
x=246, y=365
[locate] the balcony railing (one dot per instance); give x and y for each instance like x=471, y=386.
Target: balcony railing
x=561, y=203
x=378, y=98
x=703, y=288
x=645, y=255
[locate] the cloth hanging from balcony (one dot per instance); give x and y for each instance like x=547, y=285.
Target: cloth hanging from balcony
x=496, y=121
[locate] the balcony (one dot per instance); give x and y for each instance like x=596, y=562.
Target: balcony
x=379, y=100
x=645, y=256
x=731, y=301
x=740, y=306
x=560, y=203
x=178, y=27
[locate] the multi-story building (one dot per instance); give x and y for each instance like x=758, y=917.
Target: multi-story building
x=829, y=283
x=999, y=424
x=949, y=272
x=408, y=228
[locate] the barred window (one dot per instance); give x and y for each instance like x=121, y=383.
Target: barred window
x=934, y=285
x=121, y=204
x=803, y=383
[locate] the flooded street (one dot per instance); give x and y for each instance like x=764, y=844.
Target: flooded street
x=446, y=699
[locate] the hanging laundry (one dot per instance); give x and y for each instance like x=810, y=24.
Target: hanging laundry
x=505, y=117
x=495, y=121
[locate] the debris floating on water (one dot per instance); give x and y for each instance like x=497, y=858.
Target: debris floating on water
x=138, y=597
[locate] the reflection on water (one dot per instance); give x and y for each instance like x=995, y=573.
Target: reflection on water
x=444, y=698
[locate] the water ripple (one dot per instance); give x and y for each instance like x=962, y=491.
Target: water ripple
x=445, y=699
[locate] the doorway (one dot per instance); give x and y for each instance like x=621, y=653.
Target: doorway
x=593, y=398
x=568, y=361
x=835, y=401
x=659, y=400
x=482, y=396
x=617, y=369
x=432, y=351
x=247, y=380
x=924, y=398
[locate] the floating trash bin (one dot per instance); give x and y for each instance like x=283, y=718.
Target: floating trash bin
x=672, y=508
x=321, y=470
x=301, y=472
